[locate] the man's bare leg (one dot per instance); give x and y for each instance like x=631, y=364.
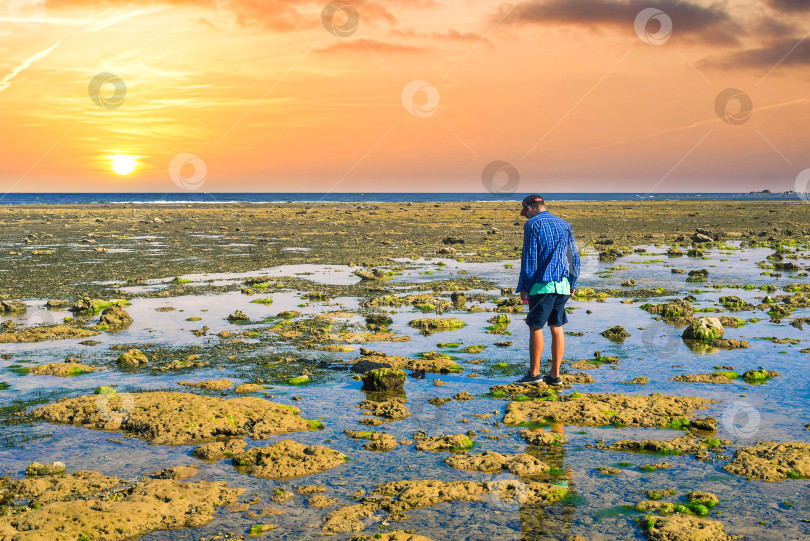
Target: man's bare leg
x=557, y=350
x=535, y=350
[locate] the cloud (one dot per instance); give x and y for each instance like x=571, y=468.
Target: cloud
x=790, y=5
x=279, y=15
x=784, y=52
x=373, y=44
x=708, y=24
x=5, y=82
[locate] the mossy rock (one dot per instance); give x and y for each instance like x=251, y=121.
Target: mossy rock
x=383, y=379
x=704, y=329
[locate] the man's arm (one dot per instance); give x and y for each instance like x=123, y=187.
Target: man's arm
x=528, y=259
x=573, y=260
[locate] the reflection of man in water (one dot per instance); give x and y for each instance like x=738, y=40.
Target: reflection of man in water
x=551, y=521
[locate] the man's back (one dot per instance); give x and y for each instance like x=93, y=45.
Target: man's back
x=549, y=251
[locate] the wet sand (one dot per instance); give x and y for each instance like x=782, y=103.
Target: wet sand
x=51, y=251
x=352, y=402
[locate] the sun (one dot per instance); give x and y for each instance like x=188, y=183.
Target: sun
x=123, y=164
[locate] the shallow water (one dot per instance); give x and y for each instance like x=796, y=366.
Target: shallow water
x=778, y=408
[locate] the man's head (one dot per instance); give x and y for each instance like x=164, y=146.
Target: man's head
x=532, y=206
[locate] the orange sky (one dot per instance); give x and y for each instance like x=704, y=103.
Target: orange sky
x=270, y=101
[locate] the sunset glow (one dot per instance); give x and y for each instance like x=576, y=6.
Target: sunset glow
x=577, y=95
x=123, y=164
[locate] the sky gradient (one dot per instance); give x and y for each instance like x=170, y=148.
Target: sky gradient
x=259, y=95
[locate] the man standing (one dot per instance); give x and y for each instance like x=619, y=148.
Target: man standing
x=549, y=266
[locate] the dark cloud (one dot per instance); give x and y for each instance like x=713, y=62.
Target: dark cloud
x=772, y=27
x=708, y=24
x=790, y=5
x=784, y=52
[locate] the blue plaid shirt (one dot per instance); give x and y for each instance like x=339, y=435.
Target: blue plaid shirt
x=549, y=252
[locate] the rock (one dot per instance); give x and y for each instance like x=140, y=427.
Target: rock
x=759, y=375
x=115, y=318
x=176, y=418
x=35, y=469
x=217, y=450
x=463, y=396
x=393, y=408
x=377, y=441
x=605, y=409
x=452, y=240
x=717, y=378
x=247, y=388
x=208, y=385
x=616, y=334
x=320, y=502
x=376, y=275
x=238, y=316
x=700, y=238
x=133, y=358
x=62, y=370
x=443, y=443
x=12, y=306
x=446, y=251
x=287, y=459
x=437, y=324
x=436, y=365
x=708, y=424
x=79, y=506
x=393, y=535
x=704, y=329
x=492, y=462
x=735, y=303
x=377, y=322
x=680, y=527
x=676, y=311
x=641, y=380
x=608, y=471
x=542, y=439
x=687, y=444
x=383, y=379
x=176, y=472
